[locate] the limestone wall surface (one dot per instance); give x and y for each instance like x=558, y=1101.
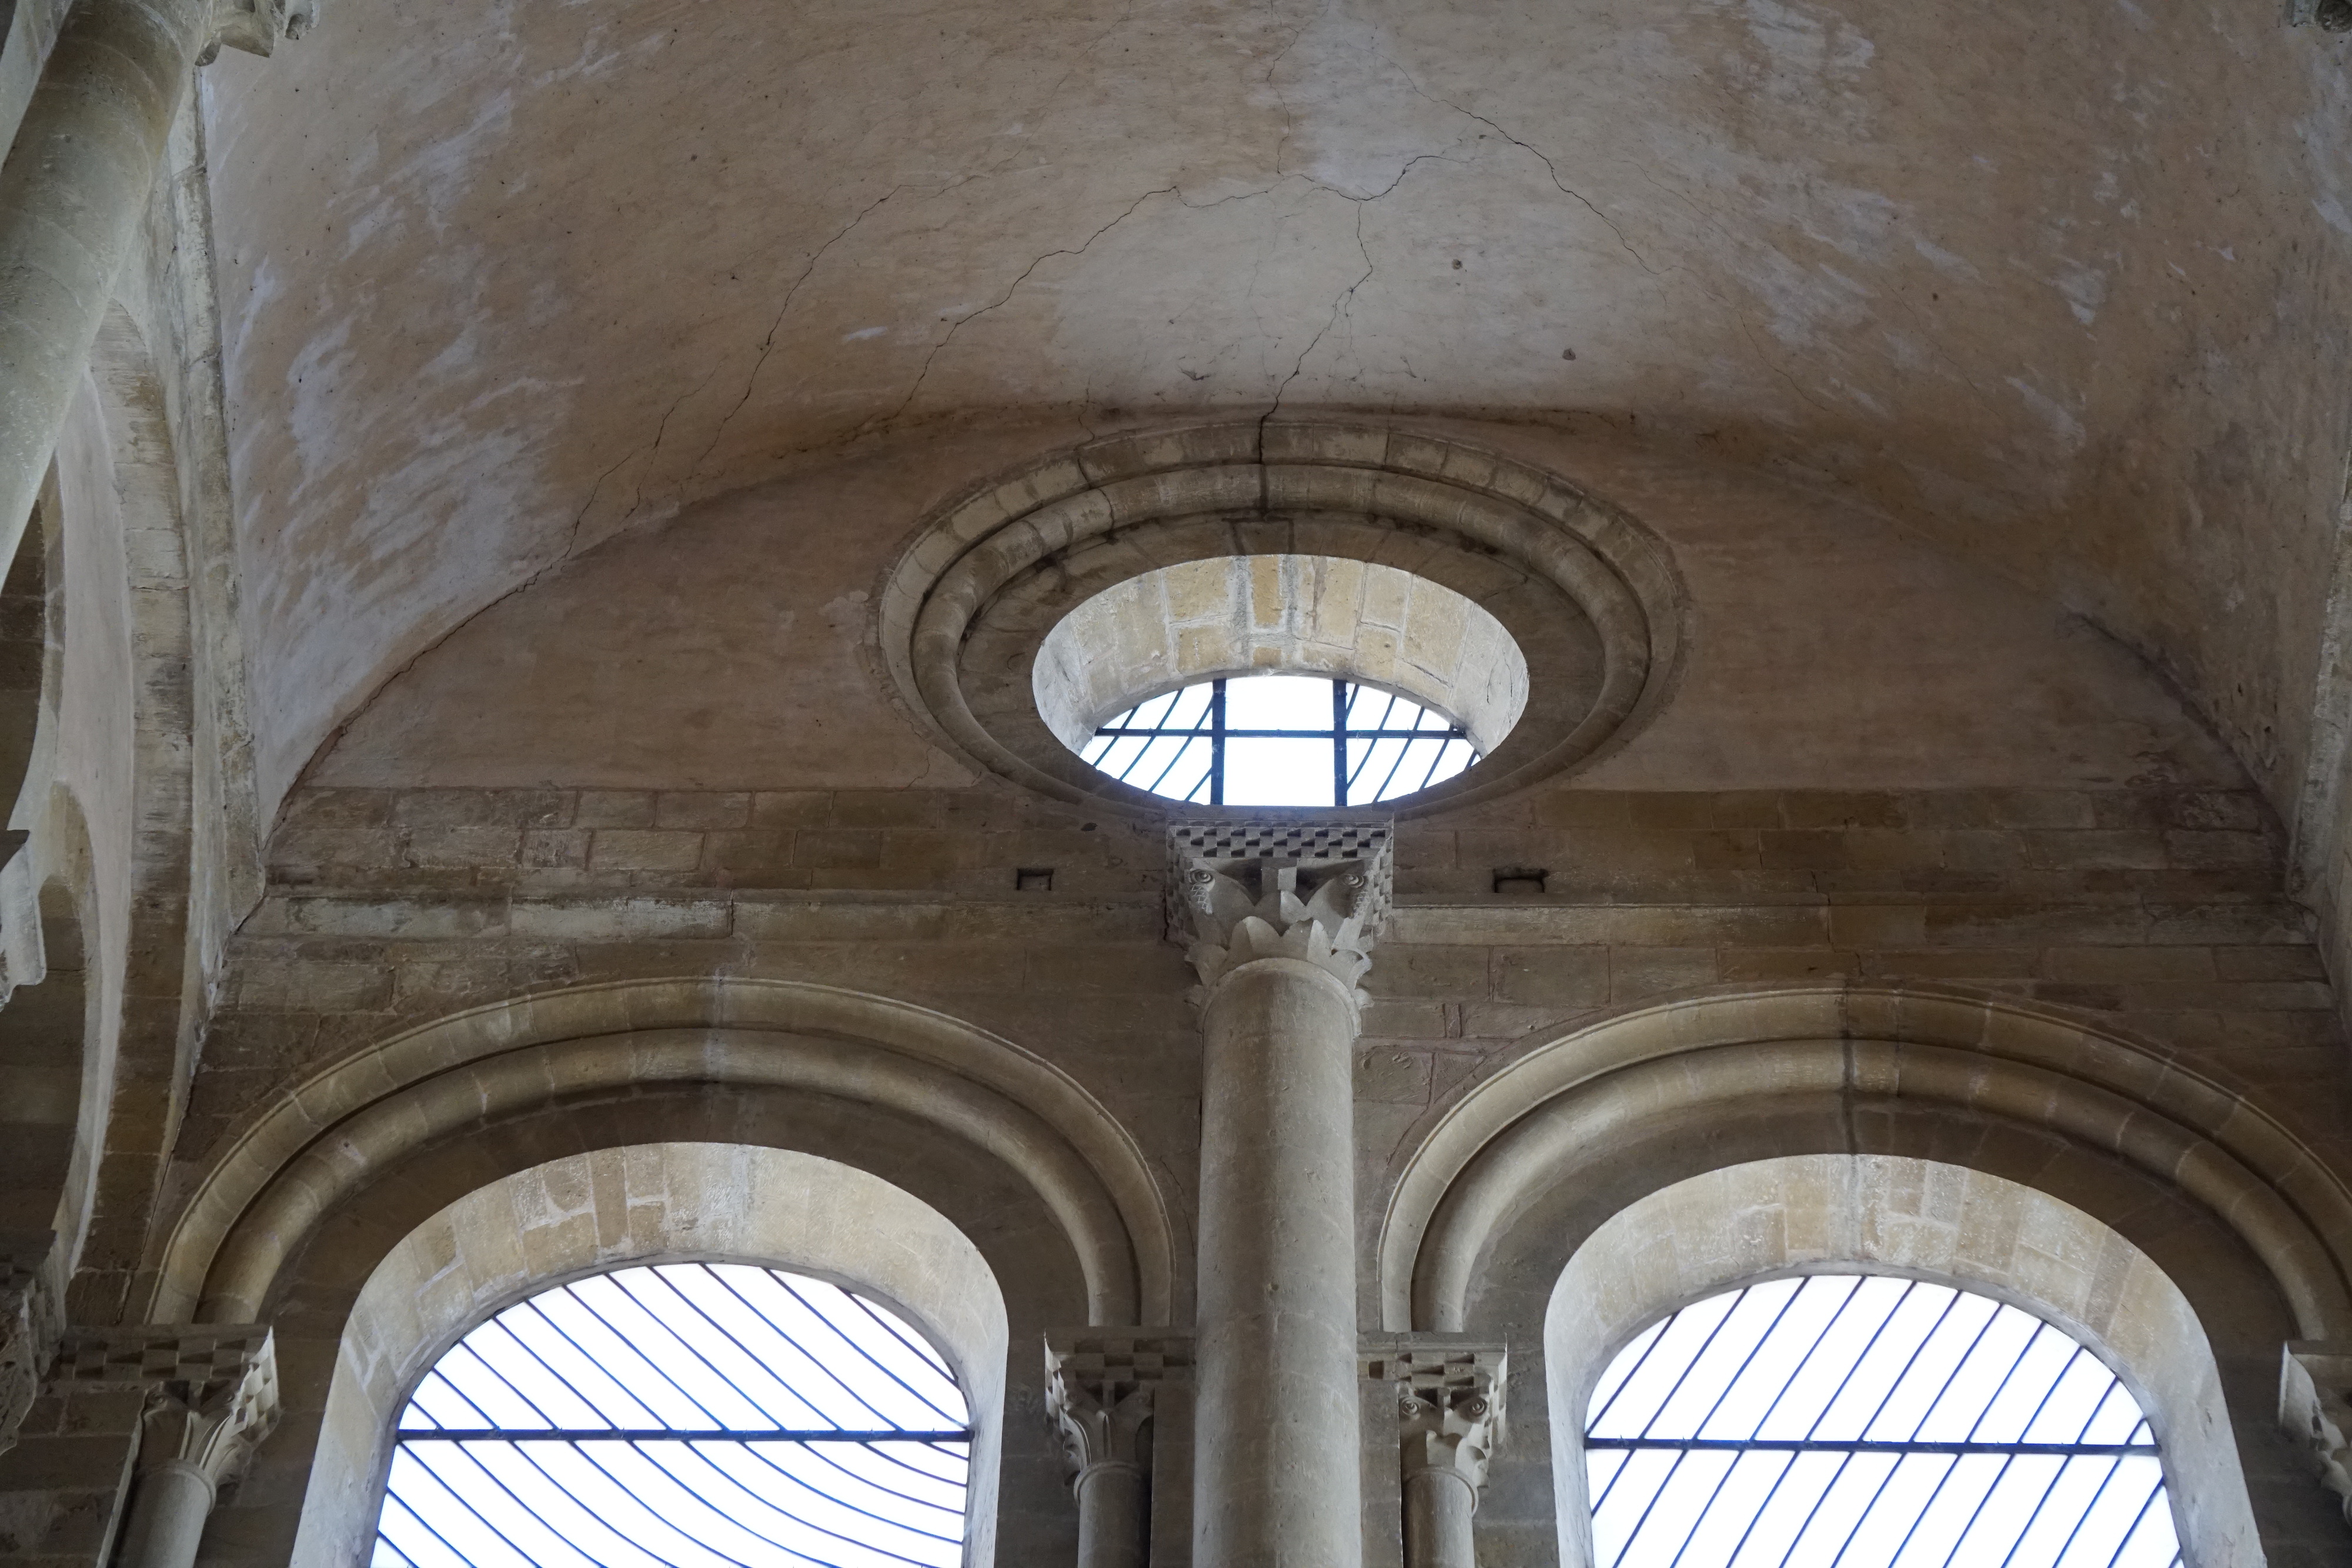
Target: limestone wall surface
x=2156, y=913
x=676, y=761
x=1977, y=370
x=728, y=649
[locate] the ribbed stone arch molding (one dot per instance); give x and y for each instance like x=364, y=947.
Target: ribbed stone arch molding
x=323, y=1140
x=1590, y=595
x=1537, y=1121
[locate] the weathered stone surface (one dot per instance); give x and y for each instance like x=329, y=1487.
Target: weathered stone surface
x=1951, y=580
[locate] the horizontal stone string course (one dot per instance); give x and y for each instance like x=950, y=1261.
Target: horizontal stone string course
x=1758, y=845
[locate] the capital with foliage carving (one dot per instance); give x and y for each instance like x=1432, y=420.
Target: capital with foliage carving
x=1100, y=1390
x=1246, y=890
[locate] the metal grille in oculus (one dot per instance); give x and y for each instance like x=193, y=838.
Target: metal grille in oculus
x=683, y=1415
x=1846, y=1421
x=1280, y=740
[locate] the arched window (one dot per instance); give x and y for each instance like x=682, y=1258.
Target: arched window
x=1853, y=1421
x=682, y=1415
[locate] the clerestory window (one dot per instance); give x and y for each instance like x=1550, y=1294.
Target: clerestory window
x=1280, y=740
x=1849, y=1421
x=683, y=1415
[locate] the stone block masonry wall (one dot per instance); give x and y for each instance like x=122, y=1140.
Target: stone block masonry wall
x=1598, y=846
x=2160, y=910
x=67, y=1474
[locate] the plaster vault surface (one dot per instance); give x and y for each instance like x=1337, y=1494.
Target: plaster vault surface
x=2057, y=287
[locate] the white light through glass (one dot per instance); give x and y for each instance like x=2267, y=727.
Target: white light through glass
x=685, y=1416
x=1843, y=1421
x=1280, y=740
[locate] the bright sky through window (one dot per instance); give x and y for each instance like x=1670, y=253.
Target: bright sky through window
x=1280, y=740
x=1844, y=1421
x=685, y=1416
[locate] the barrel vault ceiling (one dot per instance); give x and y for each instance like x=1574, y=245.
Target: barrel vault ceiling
x=2062, y=288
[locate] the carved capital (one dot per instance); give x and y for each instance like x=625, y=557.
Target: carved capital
x=1244, y=891
x=32, y=1322
x=257, y=26
x=2315, y=1407
x=212, y=1390
x=1450, y=1409
x=1100, y=1389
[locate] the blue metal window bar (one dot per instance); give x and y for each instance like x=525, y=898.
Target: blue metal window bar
x=683, y=1415
x=1381, y=745
x=1851, y=1421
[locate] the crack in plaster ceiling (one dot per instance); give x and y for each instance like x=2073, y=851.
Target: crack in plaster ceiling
x=503, y=283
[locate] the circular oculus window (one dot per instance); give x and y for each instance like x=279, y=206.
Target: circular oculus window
x=1503, y=621
x=1280, y=680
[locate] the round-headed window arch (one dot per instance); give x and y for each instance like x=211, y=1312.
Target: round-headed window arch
x=1869, y=1421
x=683, y=1415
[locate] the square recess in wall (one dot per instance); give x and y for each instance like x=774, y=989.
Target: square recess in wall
x=1034, y=879
x=1520, y=881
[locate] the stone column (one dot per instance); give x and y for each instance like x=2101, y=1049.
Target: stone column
x=1280, y=915
x=212, y=1397
x=1449, y=1420
x=1102, y=1391
x=73, y=189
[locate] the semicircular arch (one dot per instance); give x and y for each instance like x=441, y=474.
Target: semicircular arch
x=323, y=1471
x=1806, y=1060
x=1798, y=1216
x=311, y=1149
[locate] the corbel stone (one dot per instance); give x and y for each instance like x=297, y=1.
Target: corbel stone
x=212, y=1390
x=1245, y=890
x=32, y=1325
x=2315, y=1407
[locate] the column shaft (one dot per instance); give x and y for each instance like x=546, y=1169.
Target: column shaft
x=1110, y=1517
x=169, y=1505
x=1276, y=1479
x=1438, y=1506
x=72, y=190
